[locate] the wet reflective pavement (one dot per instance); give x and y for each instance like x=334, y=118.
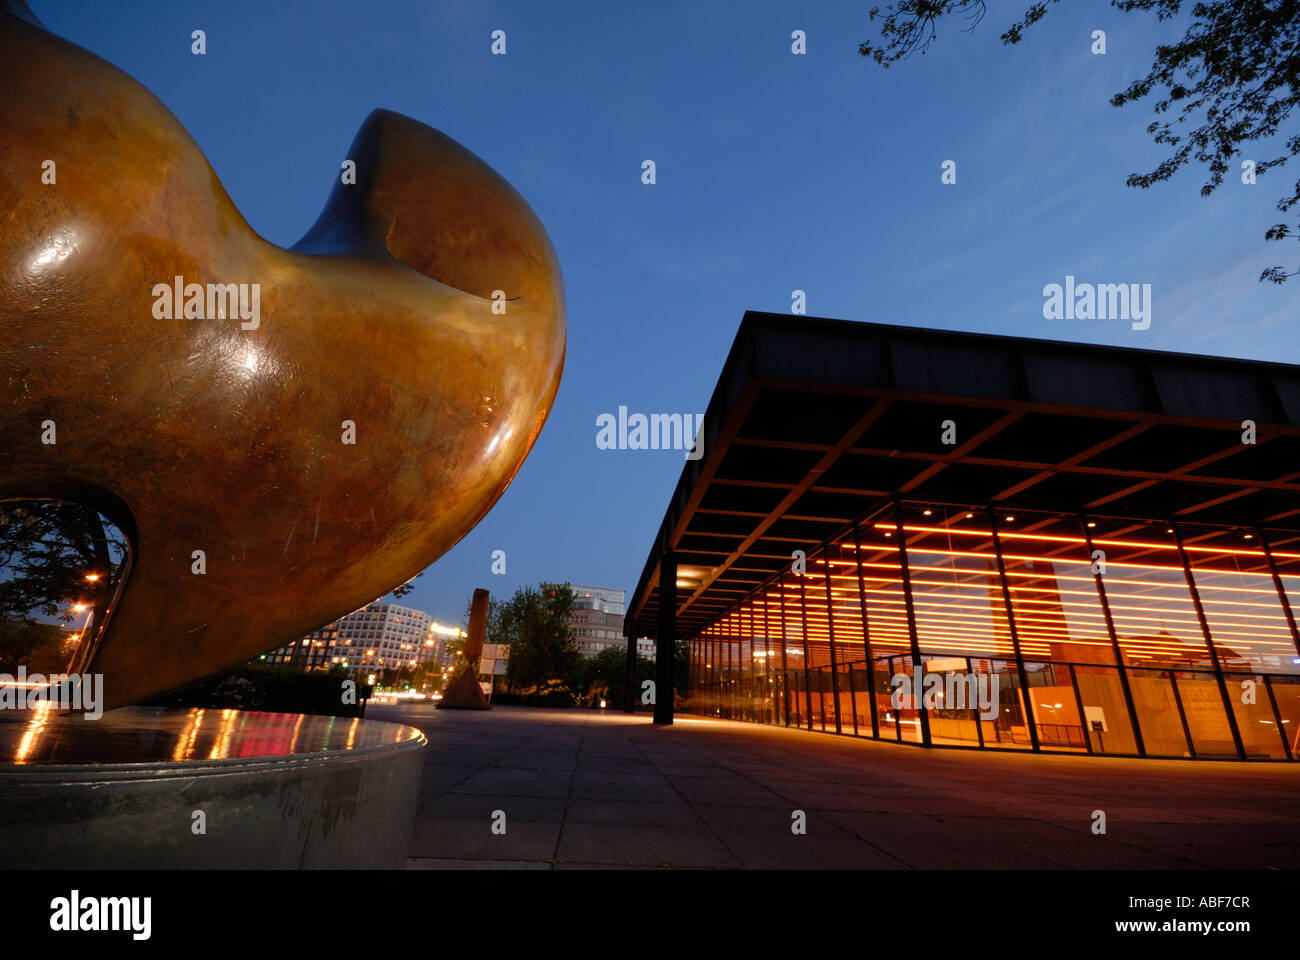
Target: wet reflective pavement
x=589, y=788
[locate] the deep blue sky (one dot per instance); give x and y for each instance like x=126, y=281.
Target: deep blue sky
x=775, y=172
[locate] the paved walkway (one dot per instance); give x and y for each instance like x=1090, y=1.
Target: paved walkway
x=581, y=788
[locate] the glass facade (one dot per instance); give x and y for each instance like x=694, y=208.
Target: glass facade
x=955, y=625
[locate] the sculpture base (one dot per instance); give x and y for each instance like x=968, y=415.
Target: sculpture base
x=464, y=693
x=148, y=787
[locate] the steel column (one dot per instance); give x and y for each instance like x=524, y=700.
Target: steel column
x=1011, y=627
x=1114, y=640
x=911, y=625
x=1209, y=645
x=666, y=641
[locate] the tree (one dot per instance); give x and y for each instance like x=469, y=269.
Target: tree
x=492, y=627
x=407, y=587
x=605, y=674
x=53, y=554
x=1235, y=74
x=535, y=623
x=48, y=549
x=41, y=647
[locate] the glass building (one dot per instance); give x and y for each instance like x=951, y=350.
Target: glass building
x=1045, y=630
x=958, y=540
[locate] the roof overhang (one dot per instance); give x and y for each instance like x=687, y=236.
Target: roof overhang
x=814, y=421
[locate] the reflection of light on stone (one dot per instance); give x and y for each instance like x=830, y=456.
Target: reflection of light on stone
x=74, y=639
x=296, y=727
x=57, y=248
x=185, y=744
x=352, y=732
x=499, y=439
x=250, y=358
x=221, y=749
x=41, y=711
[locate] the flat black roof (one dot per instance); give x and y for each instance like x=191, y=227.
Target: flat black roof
x=814, y=421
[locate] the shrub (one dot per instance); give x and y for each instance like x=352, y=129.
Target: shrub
x=272, y=689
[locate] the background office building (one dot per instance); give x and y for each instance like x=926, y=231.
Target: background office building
x=378, y=636
x=1094, y=536
x=597, y=618
x=448, y=642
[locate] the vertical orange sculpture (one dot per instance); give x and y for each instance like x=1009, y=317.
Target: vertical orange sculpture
x=283, y=434
x=464, y=693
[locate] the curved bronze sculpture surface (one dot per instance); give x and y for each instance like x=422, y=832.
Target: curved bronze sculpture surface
x=225, y=435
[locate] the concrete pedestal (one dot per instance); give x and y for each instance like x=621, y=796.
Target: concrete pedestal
x=145, y=787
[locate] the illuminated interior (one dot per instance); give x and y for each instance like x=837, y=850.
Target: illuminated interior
x=1032, y=630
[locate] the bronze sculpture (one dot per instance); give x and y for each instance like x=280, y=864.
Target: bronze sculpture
x=464, y=693
x=284, y=435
